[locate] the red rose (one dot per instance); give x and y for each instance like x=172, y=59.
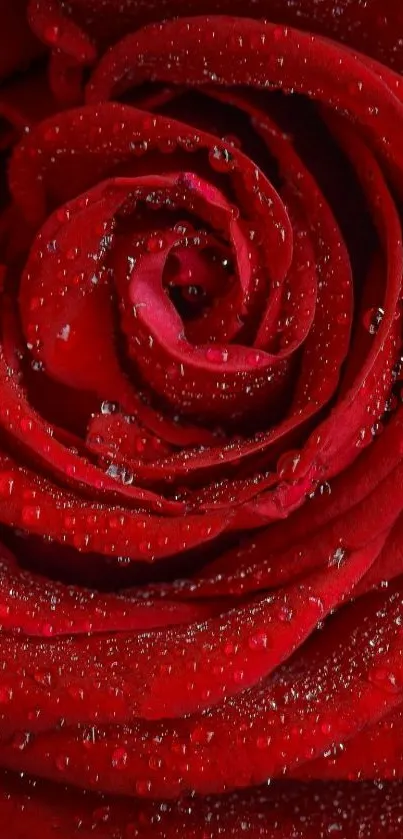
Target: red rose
x=201, y=486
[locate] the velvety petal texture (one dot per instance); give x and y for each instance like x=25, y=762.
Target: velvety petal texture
x=201, y=421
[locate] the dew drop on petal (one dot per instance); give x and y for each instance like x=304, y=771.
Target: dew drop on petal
x=119, y=758
x=285, y=613
x=326, y=728
x=373, y=319
x=220, y=159
x=258, y=641
x=62, y=762
x=263, y=743
x=6, y=694
x=338, y=557
x=155, y=763
x=287, y=464
x=21, y=740
x=385, y=679
x=143, y=787
x=108, y=408
x=201, y=735
x=214, y=354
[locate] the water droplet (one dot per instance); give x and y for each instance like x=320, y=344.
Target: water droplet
x=258, y=641
x=30, y=515
x=326, y=728
x=72, y=253
x=51, y=34
x=398, y=369
x=127, y=477
x=101, y=814
x=376, y=429
x=108, y=407
x=75, y=692
x=139, y=147
x=26, y=425
x=364, y=437
x=155, y=244
x=21, y=740
x=143, y=787
x=373, y=319
x=119, y=758
x=216, y=355
x=324, y=488
x=279, y=32
x=193, y=293
x=287, y=464
x=201, y=735
x=6, y=694
x=263, y=743
x=220, y=159
x=184, y=228
x=6, y=485
x=62, y=762
x=189, y=144
x=285, y=613
x=64, y=332
x=155, y=763
x=167, y=145
x=385, y=679
x=391, y=404
x=339, y=557
x=255, y=359
x=43, y=677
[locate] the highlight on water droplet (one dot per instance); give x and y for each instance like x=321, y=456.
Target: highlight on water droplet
x=373, y=319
